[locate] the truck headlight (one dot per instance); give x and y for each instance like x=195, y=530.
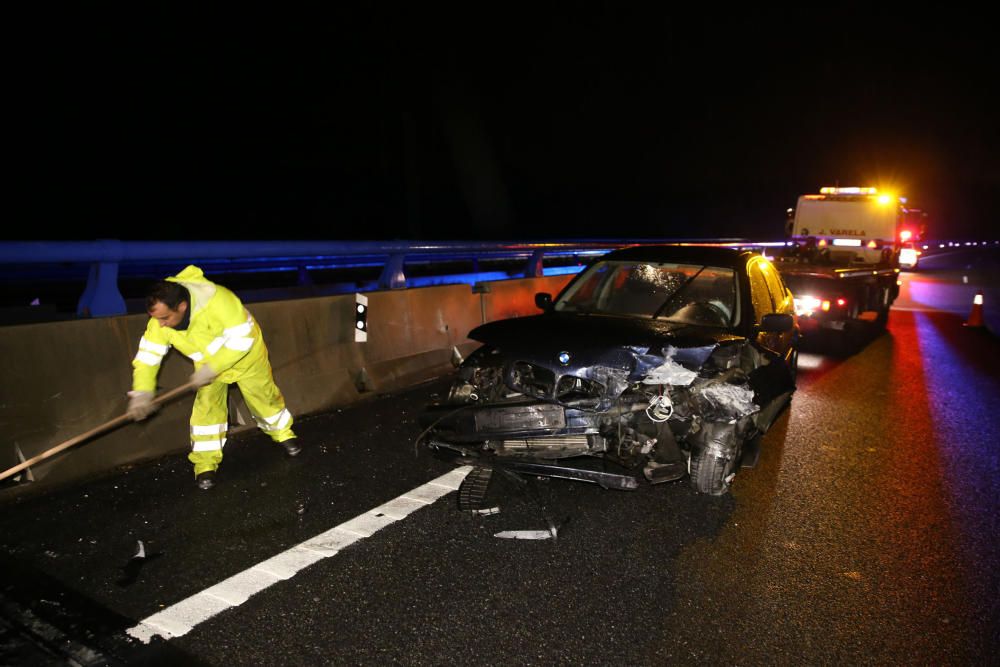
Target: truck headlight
x=807, y=305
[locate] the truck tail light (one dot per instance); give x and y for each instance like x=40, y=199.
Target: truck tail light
x=806, y=306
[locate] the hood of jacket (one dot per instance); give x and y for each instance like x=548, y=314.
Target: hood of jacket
x=198, y=286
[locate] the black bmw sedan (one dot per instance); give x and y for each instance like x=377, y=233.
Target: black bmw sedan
x=654, y=363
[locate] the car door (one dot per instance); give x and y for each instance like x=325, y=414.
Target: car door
x=782, y=302
x=773, y=382
x=763, y=304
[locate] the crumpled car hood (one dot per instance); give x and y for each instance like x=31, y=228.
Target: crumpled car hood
x=611, y=351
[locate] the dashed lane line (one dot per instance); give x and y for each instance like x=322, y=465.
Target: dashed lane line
x=180, y=618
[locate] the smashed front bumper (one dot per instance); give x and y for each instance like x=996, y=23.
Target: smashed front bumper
x=526, y=438
x=604, y=479
x=529, y=419
x=644, y=414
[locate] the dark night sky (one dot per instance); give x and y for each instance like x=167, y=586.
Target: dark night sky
x=505, y=123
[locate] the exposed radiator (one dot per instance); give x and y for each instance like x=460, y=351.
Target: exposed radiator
x=563, y=445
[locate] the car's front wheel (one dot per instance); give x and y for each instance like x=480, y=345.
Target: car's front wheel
x=712, y=474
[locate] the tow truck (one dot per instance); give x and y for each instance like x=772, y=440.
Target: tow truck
x=842, y=260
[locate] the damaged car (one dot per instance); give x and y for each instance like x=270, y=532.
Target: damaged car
x=654, y=363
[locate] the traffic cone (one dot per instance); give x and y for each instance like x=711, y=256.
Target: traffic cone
x=976, y=316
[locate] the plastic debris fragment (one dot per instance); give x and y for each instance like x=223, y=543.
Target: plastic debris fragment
x=670, y=372
x=130, y=572
x=526, y=534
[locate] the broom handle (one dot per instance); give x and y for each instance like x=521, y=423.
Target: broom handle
x=106, y=426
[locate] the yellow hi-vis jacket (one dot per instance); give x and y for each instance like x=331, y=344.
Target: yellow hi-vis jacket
x=220, y=333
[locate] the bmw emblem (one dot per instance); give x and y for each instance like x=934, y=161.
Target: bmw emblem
x=564, y=358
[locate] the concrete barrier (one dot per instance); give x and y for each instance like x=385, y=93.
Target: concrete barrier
x=61, y=379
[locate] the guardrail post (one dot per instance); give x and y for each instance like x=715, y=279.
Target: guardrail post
x=392, y=273
x=101, y=297
x=533, y=269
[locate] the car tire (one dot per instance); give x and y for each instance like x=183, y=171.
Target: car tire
x=712, y=474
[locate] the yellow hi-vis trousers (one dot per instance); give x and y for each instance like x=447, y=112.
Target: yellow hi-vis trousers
x=210, y=414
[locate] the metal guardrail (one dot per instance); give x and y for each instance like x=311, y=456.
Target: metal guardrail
x=106, y=260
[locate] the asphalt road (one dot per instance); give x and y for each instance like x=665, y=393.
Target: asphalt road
x=866, y=534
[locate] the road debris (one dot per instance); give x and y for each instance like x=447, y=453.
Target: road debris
x=526, y=534
x=130, y=571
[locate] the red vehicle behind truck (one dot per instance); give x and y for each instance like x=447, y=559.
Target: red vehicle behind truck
x=843, y=260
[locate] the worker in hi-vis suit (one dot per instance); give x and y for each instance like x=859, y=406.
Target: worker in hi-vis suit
x=209, y=324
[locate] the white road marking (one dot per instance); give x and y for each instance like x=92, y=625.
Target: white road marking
x=180, y=618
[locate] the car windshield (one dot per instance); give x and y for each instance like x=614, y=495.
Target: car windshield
x=688, y=293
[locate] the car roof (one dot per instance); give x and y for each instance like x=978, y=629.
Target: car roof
x=683, y=254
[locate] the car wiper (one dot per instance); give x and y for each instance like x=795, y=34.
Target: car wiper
x=676, y=293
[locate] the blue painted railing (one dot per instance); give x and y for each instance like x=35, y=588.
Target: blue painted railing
x=109, y=259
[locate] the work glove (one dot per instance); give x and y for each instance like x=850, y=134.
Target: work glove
x=202, y=376
x=140, y=405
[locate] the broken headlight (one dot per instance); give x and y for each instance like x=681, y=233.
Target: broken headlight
x=573, y=388
x=532, y=380
x=477, y=382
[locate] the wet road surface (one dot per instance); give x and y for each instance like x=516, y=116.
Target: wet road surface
x=867, y=533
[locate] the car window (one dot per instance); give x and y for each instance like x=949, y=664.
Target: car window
x=774, y=284
x=708, y=299
x=759, y=294
x=585, y=291
x=687, y=293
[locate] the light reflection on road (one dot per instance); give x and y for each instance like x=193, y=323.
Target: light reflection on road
x=810, y=362
x=962, y=400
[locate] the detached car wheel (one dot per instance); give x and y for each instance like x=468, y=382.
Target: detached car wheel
x=712, y=474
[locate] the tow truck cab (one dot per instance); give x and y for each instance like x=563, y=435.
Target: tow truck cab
x=844, y=257
x=856, y=225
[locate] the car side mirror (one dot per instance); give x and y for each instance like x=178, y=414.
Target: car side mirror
x=544, y=301
x=777, y=323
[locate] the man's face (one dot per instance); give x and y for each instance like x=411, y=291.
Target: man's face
x=166, y=316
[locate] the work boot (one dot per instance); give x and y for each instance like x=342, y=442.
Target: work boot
x=206, y=480
x=292, y=448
